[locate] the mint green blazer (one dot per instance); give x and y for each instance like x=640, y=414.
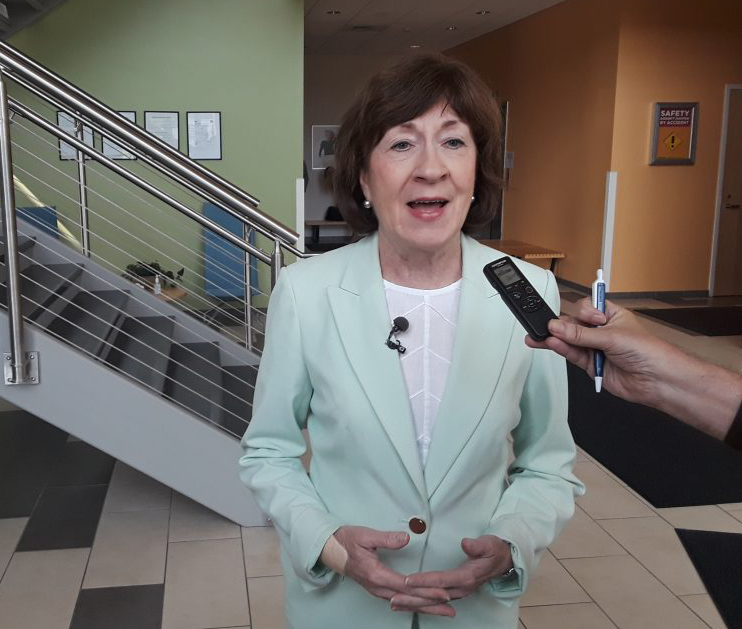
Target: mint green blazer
x=325, y=369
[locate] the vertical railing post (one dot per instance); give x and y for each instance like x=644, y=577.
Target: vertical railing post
x=276, y=262
x=248, y=290
x=83, y=193
x=15, y=361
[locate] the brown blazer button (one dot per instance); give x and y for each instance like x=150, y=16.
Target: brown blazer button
x=417, y=525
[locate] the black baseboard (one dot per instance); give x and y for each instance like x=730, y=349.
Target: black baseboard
x=662, y=295
x=574, y=286
x=667, y=294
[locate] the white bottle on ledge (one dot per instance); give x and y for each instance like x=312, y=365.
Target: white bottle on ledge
x=157, y=289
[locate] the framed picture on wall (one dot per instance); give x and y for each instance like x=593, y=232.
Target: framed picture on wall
x=113, y=150
x=204, y=134
x=674, y=128
x=323, y=145
x=67, y=123
x=163, y=124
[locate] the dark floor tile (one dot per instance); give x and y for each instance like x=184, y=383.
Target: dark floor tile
x=80, y=463
x=65, y=517
x=131, y=607
x=28, y=449
x=732, y=300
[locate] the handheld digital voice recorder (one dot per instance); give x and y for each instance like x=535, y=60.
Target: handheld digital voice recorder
x=520, y=296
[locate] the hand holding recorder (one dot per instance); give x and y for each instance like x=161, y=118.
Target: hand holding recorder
x=641, y=368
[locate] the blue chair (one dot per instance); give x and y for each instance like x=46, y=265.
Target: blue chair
x=224, y=270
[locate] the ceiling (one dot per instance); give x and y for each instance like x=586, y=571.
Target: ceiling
x=393, y=27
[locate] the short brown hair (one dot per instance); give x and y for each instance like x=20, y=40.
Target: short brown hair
x=400, y=94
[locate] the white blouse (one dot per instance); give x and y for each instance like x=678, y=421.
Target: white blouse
x=432, y=315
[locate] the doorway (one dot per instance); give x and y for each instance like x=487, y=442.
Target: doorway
x=726, y=256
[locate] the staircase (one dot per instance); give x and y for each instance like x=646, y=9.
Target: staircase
x=164, y=385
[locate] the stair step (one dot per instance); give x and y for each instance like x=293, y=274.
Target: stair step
x=142, y=348
x=40, y=286
x=238, y=380
x=24, y=244
x=195, y=379
x=90, y=319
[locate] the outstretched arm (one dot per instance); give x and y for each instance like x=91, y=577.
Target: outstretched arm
x=642, y=368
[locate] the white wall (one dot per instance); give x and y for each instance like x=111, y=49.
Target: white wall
x=331, y=82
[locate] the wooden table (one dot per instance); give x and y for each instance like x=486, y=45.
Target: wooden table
x=173, y=293
x=525, y=251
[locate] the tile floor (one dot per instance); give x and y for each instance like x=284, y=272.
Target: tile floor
x=132, y=554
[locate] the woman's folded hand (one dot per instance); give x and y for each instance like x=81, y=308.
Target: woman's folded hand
x=487, y=558
x=351, y=551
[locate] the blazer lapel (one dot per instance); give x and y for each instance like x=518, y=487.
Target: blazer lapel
x=362, y=318
x=483, y=335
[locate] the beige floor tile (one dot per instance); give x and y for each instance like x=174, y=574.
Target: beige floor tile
x=190, y=521
x=576, y=616
x=552, y=585
x=731, y=506
x=205, y=585
x=130, y=490
x=40, y=589
x=656, y=545
x=11, y=530
x=520, y=625
x=710, y=518
x=266, y=602
x=641, y=499
x=262, y=551
x=130, y=549
x=605, y=498
x=583, y=537
x=736, y=514
x=630, y=596
x=705, y=608
x=608, y=472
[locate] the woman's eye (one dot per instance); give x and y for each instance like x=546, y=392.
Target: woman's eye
x=455, y=143
x=402, y=145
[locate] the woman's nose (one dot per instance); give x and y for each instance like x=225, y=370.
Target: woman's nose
x=430, y=166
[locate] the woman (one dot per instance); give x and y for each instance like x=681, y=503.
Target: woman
x=410, y=512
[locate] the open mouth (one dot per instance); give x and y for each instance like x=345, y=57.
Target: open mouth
x=429, y=205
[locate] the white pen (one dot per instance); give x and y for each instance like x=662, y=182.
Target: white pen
x=599, y=304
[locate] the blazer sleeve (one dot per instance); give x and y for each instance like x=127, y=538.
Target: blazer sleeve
x=540, y=498
x=273, y=443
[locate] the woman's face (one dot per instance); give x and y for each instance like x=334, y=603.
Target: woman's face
x=420, y=181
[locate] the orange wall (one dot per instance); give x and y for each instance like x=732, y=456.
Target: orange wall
x=681, y=51
x=557, y=70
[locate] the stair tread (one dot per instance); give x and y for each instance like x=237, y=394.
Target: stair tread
x=239, y=383
x=141, y=349
x=195, y=379
x=40, y=285
x=88, y=320
x=24, y=244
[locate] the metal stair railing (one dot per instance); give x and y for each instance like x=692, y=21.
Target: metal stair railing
x=119, y=203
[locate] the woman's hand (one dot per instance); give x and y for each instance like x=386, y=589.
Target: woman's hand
x=488, y=557
x=351, y=551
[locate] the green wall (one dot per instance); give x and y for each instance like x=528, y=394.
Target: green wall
x=243, y=58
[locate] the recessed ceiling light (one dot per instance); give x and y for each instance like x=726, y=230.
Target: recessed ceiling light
x=333, y=12
x=452, y=28
x=483, y=12
x=414, y=45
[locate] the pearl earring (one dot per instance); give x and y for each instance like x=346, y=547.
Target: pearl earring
x=472, y=198
x=367, y=204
